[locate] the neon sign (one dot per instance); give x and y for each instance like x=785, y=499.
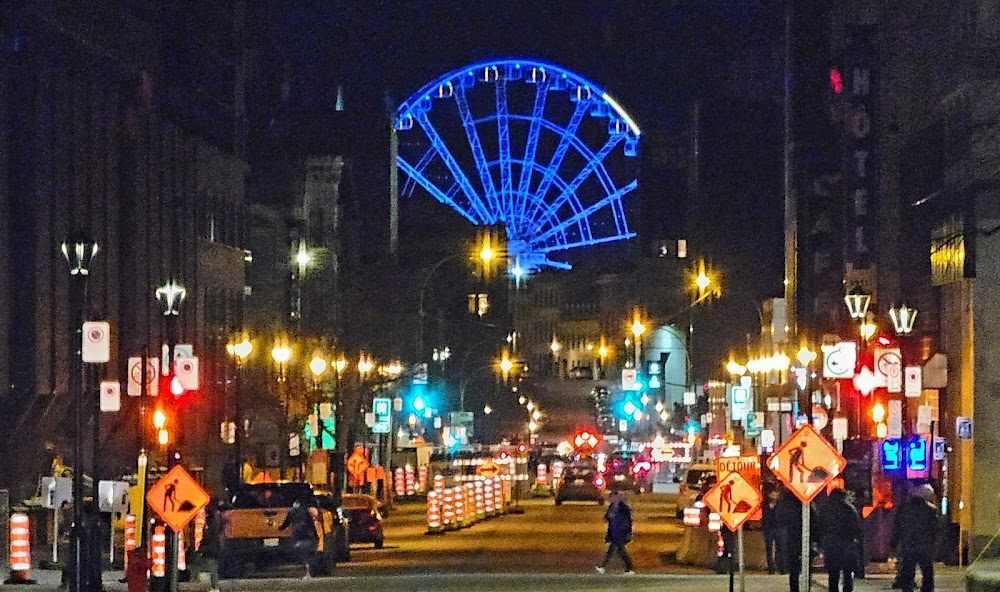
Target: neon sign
x=892, y=455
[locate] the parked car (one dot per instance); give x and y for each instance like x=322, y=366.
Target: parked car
x=364, y=519
x=339, y=527
x=692, y=485
x=581, y=481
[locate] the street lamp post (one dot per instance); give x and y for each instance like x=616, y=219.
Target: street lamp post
x=79, y=252
x=318, y=366
x=281, y=354
x=171, y=295
x=637, y=330
x=240, y=352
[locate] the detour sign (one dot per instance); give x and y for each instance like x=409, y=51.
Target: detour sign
x=177, y=498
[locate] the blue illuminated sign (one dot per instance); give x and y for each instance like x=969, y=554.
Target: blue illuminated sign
x=916, y=458
x=892, y=455
x=383, y=417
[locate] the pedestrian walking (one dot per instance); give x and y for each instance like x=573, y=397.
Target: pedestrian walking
x=914, y=535
x=774, y=533
x=788, y=512
x=841, y=540
x=304, y=536
x=619, y=519
x=207, y=557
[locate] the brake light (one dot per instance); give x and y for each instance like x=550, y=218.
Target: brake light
x=599, y=482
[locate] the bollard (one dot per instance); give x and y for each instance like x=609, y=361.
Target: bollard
x=448, y=510
x=409, y=480
x=490, y=497
x=433, y=513
x=129, y=536
x=20, y=550
x=398, y=482
x=422, y=478
x=199, y=528
x=159, y=552
x=498, y=500
x=480, y=500
x=439, y=483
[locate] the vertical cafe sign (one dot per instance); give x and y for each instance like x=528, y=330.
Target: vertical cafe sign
x=860, y=135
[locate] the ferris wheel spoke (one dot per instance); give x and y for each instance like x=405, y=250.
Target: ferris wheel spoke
x=506, y=197
x=446, y=198
x=472, y=134
x=457, y=173
x=585, y=214
x=570, y=191
x=530, y=148
x=421, y=165
x=565, y=141
x=584, y=243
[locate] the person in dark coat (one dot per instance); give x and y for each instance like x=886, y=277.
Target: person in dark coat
x=619, y=518
x=841, y=540
x=774, y=533
x=788, y=512
x=304, y=535
x=914, y=535
x=211, y=545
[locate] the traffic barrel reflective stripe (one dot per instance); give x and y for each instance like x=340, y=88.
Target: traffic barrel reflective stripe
x=159, y=552
x=409, y=480
x=20, y=550
x=439, y=483
x=199, y=528
x=490, y=497
x=422, y=478
x=129, y=536
x=541, y=475
x=470, y=503
x=459, y=501
x=433, y=512
x=448, y=510
x=480, y=500
x=692, y=517
x=557, y=470
x=399, y=482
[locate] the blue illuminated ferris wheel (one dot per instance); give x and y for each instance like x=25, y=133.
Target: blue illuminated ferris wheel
x=526, y=144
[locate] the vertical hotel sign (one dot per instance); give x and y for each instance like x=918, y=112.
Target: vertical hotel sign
x=861, y=145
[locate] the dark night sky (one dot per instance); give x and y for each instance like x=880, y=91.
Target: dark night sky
x=655, y=57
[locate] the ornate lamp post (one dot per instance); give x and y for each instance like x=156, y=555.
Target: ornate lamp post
x=318, y=366
x=903, y=319
x=281, y=354
x=171, y=295
x=79, y=253
x=858, y=301
x=240, y=352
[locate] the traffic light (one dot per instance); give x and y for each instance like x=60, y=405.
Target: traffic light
x=522, y=448
x=160, y=423
x=878, y=416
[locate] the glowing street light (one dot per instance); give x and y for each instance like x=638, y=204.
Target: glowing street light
x=241, y=351
x=536, y=415
x=487, y=409
x=858, y=301
x=340, y=365
x=903, y=319
x=735, y=368
x=317, y=366
x=805, y=356
x=172, y=294
x=868, y=329
x=365, y=365
x=506, y=366
x=281, y=354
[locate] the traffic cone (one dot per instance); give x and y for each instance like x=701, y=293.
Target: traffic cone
x=20, y=550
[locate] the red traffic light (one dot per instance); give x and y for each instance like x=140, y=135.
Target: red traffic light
x=522, y=448
x=504, y=455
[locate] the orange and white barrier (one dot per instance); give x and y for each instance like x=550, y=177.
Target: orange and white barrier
x=692, y=517
x=199, y=528
x=159, y=552
x=181, y=556
x=20, y=550
x=410, y=480
x=422, y=478
x=399, y=482
x=433, y=512
x=448, y=510
x=490, y=497
x=439, y=483
x=480, y=500
x=714, y=522
x=557, y=470
x=129, y=536
x=459, y=501
x=542, y=475
x=498, y=496
x=470, y=502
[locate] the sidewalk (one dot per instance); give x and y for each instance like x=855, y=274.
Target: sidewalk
x=946, y=579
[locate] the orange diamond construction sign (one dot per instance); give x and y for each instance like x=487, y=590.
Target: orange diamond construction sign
x=177, y=498
x=734, y=499
x=806, y=463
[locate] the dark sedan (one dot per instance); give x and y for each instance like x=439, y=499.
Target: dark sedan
x=364, y=519
x=581, y=482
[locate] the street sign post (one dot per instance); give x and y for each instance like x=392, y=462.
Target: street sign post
x=806, y=463
x=177, y=498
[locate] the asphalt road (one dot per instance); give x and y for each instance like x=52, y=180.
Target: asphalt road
x=547, y=548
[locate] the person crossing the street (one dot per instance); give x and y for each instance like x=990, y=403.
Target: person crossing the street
x=619, y=534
